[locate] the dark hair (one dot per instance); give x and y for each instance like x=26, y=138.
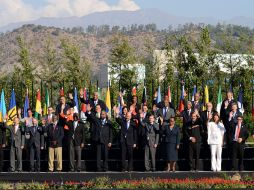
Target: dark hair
x=75, y=115
x=216, y=114
x=124, y=108
x=172, y=117
x=29, y=109
x=240, y=116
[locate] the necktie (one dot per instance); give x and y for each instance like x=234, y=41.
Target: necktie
x=238, y=131
x=34, y=129
x=128, y=124
x=165, y=112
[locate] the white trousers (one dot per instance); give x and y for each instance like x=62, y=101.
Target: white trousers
x=216, y=150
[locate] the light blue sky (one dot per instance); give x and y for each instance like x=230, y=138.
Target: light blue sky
x=12, y=11
x=222, y=9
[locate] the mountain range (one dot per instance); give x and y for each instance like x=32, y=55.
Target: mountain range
x=125, y=18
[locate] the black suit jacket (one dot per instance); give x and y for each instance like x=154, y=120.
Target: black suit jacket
x=36, y=136
x=244, y=134
x=2, y=134
x=56, y=134
x=186, y=116
x=198, y=106
x=100, y=133
x=224, y=112
x=68, y=105
x=194, y=129
x=91, y=102
x=128, y=136
x=78, y=135
x=204, y=119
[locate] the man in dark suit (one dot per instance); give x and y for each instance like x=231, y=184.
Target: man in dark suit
x=194, y=132
x=35, y=143
x=197, y=104
x=102, y=136
x=17, y=144
x=239, y=134
x=151, y=132
x=186, y=117
x=162, y=103
x=2, y=144
x=231, y=117
x=128, y=139
x=64, y=106
x=93, y=101
x=55, y=134
x=76, y=141
x=226, y=107
x=205, y=117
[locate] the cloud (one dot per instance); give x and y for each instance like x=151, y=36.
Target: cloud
x=12, y=11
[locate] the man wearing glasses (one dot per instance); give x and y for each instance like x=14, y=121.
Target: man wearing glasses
x=239, y=134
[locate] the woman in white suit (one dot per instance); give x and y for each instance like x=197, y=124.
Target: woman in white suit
x=215, y=139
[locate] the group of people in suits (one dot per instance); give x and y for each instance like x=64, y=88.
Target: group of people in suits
x=138, y=127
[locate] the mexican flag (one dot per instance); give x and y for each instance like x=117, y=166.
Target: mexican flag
x=46, y=103
x=219, y=100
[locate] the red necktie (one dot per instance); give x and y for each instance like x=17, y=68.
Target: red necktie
x=238, y=131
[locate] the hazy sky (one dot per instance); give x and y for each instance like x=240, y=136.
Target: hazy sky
x=23, y=10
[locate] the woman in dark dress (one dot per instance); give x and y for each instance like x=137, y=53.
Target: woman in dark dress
x=172, y=140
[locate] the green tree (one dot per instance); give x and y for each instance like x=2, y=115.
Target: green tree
x=76, y=68
x=122, y=63
x=24, y=59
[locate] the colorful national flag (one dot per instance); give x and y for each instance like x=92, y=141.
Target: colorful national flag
x=2, y=107
x=144, y=98
x=134, y=91
x=206, y=97
x=46, y=103
x=26, y=104
x=169, y=94
x=108, y=103
x=158, y=99
x=219, y=100
x=38, y=105
x=193, y=93
x=99, y=92
x=181, y=103
x=240, y=100
x=76, y=108
x=120, y=102
x=61, y=91
x=12, y=113
x=83, y=106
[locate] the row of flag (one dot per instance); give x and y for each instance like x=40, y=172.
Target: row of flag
x=12, y=112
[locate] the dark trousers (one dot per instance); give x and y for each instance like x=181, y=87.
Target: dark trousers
x=127, y=149
x=237, y=149
x=15, y=152
x=229, y=146
x=194, y=151
x=74, y=152
x=35, y=152
x=102, y=153
x=1, y=158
